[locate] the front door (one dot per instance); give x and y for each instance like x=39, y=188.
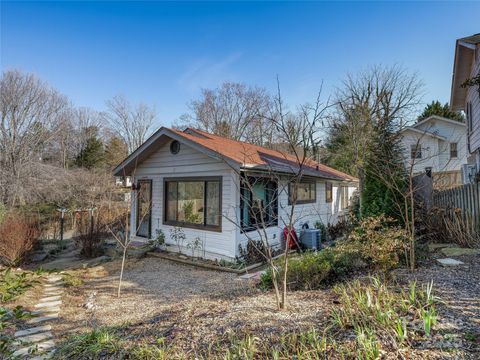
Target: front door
x=144, y=208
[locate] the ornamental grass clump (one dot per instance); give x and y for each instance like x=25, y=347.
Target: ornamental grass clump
x=386, y=314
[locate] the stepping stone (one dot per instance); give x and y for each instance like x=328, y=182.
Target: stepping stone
x=457, y=251
x=44, y=356
x=449, y=262
x=33, y=330
x=46, y=311
x=54, y=278
x=435, y=246
x=50, y=298
x=52, y=293
x=43, y=346
x=48, y=317
x=53, y=287
x=34, y=338
x=49, y=304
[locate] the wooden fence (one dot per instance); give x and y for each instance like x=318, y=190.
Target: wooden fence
x=466, y=198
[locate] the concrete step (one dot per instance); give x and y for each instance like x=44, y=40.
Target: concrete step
x=48, y=317
x=33, y=330
x=35, y=338
x=49, y=304
x=40, y=347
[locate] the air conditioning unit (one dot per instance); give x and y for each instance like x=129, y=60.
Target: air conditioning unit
x=468, y=173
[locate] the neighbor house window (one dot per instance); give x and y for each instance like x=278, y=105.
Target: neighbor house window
x=415, y=151
x=302, y=192
x=193, y=202
x=328, y=192
x=453, y=150
x=258, y=203
x=144, y=208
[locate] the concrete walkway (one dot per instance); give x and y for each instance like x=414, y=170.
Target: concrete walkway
x=37, y=341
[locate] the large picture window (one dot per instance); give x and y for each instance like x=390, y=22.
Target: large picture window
x=258, y=203
x=144, y=208
x=193, y=202
x=302, y=193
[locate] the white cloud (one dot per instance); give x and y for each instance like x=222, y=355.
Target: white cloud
x=205, y=73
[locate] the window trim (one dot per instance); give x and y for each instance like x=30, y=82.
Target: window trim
x=302, y=202
x=204, y=179
x=416, y=152
x=456, y=150
x=137, y=219
x=274, y=222
x=330, y=198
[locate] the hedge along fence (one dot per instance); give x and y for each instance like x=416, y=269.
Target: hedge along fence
x=462, y=206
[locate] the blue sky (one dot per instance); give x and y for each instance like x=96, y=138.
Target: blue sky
x=164, y=53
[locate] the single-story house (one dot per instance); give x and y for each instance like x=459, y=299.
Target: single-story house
x=437, y=144
x=196, y=181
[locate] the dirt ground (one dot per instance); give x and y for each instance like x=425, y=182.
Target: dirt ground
x=161, y=298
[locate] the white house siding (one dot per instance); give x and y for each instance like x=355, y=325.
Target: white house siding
x=474, y=99
x=430, y=150
x=435, y=151
x=327, y=213
x=189, y=163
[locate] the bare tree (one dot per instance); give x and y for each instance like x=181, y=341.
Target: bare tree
x=300, y=139
x=381, y=97
x=30, y=112
x=235, y=111
x=131, y=123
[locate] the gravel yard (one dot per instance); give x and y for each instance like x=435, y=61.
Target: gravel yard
x=190, y=306
x=194, y=308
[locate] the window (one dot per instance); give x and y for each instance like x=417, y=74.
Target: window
x=302, y=193
x=344, y=197
x=328, y=192
x=258, y=203
x=415, y=151
x=144, y=208
x=174, y=147
x=453, y=150
x=469, y=117
x=193, y=202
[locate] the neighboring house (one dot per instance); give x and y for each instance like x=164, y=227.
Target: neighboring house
x=123, y=181
x=467, y=66
x=439, y=145
x=193, y=180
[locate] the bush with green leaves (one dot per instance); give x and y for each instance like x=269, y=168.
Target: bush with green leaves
x=312, y=270
x=377, y=241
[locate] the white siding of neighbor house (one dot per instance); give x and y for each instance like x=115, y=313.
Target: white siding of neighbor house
x=474, y=98
x=188, y=163
x=436, y=152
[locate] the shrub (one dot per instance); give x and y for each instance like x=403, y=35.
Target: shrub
x=92, y=230
x=18, y=234
x=311, y=270
x=377, y=241
x=253, y=253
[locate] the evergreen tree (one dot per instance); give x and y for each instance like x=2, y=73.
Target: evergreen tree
x=92, y=155
x=436, y=108
x=115, y=152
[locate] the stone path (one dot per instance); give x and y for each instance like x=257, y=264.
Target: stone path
x=37, y=341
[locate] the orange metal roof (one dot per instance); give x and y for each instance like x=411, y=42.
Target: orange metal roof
x=254, y=156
